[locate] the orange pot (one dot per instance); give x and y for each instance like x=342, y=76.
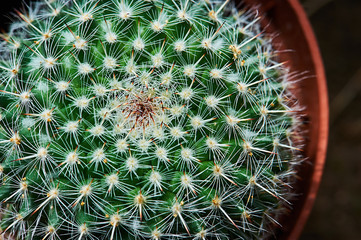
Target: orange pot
x=288, y=20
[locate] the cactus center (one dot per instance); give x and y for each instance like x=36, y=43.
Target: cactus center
x=142, y=110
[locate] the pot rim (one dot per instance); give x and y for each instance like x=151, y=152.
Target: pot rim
x=322, y=140
x=316, y=152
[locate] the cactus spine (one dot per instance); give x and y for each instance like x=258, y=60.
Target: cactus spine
x=132, y=119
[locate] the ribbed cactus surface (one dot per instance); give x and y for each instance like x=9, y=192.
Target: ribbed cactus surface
x=135, y=119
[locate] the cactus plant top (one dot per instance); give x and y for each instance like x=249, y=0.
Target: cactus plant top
x=132, y=119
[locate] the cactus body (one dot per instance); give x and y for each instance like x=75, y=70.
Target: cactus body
x=132, y=119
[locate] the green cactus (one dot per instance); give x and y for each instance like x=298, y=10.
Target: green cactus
x=135, y=119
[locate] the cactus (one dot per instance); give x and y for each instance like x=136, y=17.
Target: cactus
x=132, y=119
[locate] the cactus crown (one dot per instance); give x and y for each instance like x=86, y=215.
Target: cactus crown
x=132, y=119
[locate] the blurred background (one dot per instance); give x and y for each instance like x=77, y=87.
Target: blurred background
x=337, y=25
x=337, y=210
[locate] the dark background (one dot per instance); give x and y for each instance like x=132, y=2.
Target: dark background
x=337, y=25
x=337, y=210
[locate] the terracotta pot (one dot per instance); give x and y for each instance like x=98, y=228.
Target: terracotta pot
x=288, y=20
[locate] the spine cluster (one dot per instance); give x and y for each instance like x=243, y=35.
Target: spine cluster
x=137, y=119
